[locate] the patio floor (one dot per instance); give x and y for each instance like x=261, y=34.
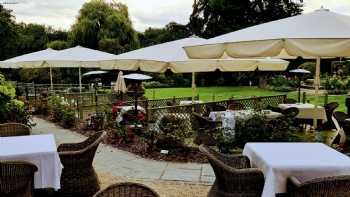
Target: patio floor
x=118, y=163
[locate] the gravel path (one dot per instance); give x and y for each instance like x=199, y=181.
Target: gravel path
x=124, y=164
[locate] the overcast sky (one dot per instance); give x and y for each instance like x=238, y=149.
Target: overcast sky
x=144, y=13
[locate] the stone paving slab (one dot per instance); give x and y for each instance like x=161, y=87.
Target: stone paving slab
x=121, y=163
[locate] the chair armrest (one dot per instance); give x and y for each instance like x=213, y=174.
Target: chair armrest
x=293, y=183
x=235, y=161
x=70, y=147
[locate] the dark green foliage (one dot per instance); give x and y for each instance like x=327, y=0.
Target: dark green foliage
x=31, y=37
x=105, y=27
x=282, y=84
x=211, y=18
x=58, y=44
x=12, y=110
x=8, y=34
x=172, y=31
x=258, y=129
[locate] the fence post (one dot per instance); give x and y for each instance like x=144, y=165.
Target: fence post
x=304, y=97
x=326, y=98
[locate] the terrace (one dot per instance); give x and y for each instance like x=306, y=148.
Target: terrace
x=251, y=124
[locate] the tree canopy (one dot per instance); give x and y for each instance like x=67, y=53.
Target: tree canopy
x=211, y=18
x=8, y=34
x=105, y=27
x=172, y=31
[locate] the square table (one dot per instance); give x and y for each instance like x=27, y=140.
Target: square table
x=306, y=161
x=307, y=111
x=41, y=151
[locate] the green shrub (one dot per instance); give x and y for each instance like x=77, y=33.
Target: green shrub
x=155, y=84
x=173, y=132
x=280, y=83
x=337, y=85
x=258, y=129
x=61, y=111
x=12, y=110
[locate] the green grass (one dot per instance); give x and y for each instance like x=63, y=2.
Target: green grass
x=222, y=93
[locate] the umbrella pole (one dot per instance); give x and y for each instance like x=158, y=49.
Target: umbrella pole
x=80, y=86
x=51, y=81
x=193, y=86
x=317, y=83
x=299, y=91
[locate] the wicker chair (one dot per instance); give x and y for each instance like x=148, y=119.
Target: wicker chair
x=320, y=187
x=205, y=129
x=291, y=112
x=330, y=107
x=16, y=178
x=78, y=177
x=274, y=109
x=234, y=177
x=127, y=190
x=14, y=129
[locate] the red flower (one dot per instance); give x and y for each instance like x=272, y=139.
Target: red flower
x=140, y=116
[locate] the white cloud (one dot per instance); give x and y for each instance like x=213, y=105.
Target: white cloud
x=144, y=13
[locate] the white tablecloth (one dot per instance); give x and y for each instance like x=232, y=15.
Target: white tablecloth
x=190, y=102
x=39, y=150
x=307, y=111
x=218, y=115
x=306, y=161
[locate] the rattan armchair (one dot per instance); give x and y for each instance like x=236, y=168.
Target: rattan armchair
x=337, y=186
x=234, y=177
x=205, y=128
x=127, y=190
x=78, y=177
x=16, y=178
x=14, y=129
x=329, y=108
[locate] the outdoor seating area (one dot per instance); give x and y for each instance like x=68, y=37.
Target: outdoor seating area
x=245, y=100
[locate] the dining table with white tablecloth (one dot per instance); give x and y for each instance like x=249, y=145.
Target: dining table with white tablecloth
x=39, y=150
x=219, y=115
x=305, y=161
x=307, y=111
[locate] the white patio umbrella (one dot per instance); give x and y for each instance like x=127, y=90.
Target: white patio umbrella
x=36, y=59
x=120, y=84
x=318, y=34
x=95, y=72
x=170, y=55
x=78, y=57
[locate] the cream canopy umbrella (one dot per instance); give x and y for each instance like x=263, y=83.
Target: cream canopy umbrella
x=319, y=34
x=36, y=59
x=78, y=57
x=170, y=55
x=120, y=84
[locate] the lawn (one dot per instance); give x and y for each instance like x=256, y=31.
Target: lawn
x=222, y=93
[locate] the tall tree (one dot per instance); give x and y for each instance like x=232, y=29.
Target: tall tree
x=8, y=34
x=105, y=27
x=211, y=18
x=31, y=37
x=172, y=31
